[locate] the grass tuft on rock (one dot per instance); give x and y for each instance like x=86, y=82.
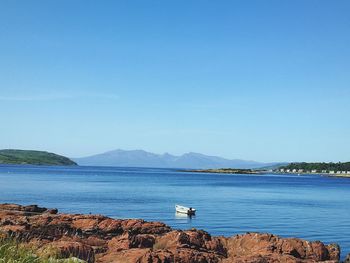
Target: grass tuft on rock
x=14, y=252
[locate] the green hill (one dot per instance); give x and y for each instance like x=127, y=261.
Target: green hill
x=10, y=156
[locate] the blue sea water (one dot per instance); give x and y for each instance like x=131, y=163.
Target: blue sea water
x=310, y=207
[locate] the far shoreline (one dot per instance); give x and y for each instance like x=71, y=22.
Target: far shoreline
x=317, y=174
x=258, y=172
x=222, y=171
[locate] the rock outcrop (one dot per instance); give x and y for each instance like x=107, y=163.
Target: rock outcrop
x=96, y=238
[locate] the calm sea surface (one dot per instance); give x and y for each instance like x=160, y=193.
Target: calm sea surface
x=310, y=207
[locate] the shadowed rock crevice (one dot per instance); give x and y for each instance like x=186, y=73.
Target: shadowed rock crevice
x=96, y=238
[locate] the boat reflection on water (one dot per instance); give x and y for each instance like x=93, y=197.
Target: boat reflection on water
x=182, y=216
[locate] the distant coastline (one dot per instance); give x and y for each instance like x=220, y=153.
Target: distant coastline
x=260, y=172
x=320, y=174
x=325, y=169
x=224, y=170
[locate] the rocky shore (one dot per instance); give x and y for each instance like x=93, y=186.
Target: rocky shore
x=97, y=238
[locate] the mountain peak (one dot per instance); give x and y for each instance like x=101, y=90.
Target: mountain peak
x=141, y=158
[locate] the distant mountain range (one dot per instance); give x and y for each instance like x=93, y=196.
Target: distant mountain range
x=140, y=158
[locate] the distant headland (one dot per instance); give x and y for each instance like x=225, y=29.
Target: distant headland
x=13, y=156
x=225, y=171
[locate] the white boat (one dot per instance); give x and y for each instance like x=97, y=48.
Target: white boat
x=185, y=210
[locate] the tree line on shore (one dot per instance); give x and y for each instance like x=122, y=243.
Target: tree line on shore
x=318, y=166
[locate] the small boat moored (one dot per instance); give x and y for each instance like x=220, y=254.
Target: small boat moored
x=185, y=210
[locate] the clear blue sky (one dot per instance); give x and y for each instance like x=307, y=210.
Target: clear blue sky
x=259, y=80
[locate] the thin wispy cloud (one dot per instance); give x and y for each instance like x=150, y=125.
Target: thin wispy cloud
x=53, y=97
x=100, y=96
x=34, y=98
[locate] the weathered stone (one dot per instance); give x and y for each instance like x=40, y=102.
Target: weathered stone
x=96, y=238
x=74, y=249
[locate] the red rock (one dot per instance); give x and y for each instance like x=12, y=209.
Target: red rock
x=86, y=224
x=34, y=209
x=138, y=226
x=185, y=255
x=133, y=255
x=13, y=228
x=74, y=249
x=318, y=251
x=103, y=239
x=142, y=241
x=110, y=225
x=168, y=241
x=334, y=251
x=119, y=243
x=270, y=247
x=158, y=256
x=94, y=241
